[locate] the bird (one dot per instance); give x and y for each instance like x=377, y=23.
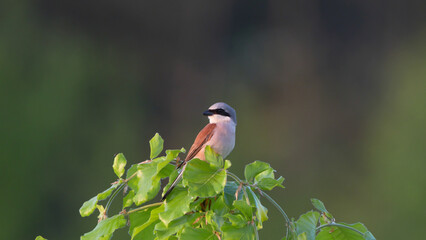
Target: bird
x=219, y=134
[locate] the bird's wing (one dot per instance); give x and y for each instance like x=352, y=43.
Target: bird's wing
x=204, y=136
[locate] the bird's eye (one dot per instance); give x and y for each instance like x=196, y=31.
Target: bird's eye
x=222, y=112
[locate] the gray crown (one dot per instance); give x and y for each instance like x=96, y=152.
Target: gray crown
x=227, y=108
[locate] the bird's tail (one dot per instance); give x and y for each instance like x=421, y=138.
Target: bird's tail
x=175, y=182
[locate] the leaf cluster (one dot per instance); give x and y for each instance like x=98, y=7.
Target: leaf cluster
x=209, y=203
x=321, y=225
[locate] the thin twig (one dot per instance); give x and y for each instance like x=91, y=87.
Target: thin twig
x=235, y=177
x=143, y=207
x=112, y=197
x=255, y=230
x=133, y=175
x=289, y=225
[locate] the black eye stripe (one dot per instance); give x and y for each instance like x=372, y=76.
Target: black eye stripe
x=219, y=111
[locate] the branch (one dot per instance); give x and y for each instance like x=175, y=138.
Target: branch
x=289, y=225
x=143, y=207
x=112, y=197
x=235, y=177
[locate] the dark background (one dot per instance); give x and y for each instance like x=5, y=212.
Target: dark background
x=331, y=93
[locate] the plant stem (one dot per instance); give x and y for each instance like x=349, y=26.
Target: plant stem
x=289, y=225
x=235, y=177
x=339, y=225
x=255, y=231
x=112, y=197
x=133, y=175
x=143, y=207
x=246, y=196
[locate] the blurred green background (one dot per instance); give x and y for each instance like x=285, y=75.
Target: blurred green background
x=330, y=92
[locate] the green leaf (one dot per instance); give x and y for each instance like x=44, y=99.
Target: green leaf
x=101, y=210
x=265, y=174
x=302, y=236
x=227, y=164
x=164, y=168
x=173, y=175
x=196, y=205
x=105, y=194
x=164, y=232
x=166, y=171
x=211, y=220
x=318, y=205
x=343, y=233
x=156, y=145
x=105, y=228
x=139, y=218
x=369, y=236
x=237, y=220
x=174, y=153
x=40, y=238
x=218, y=206
x=153, y=219
x=128, y=199
x=244, y=208
x=270, y=183
x=176, y=205
x=203, y=179
x=119, y=164
x=256, y=168
x=170, y=156
x=213, y=158
x=146, y=183
x=261, y=211
x=219, y=209
x=234, y=233
x=307, y=223
x=88, y=207
x=231, y=188
x=190, y=233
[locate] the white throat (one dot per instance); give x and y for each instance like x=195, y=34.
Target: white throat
x=223, y=139
x=216, y=118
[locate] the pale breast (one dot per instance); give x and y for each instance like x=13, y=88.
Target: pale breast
x=223, y=140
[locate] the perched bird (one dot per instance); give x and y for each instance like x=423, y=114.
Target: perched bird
x=219, y=134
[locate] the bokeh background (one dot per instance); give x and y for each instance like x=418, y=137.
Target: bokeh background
x=332, y=93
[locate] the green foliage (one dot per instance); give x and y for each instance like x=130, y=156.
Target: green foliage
x=176, y=205
x=306, y=224
x=156, y=145
x=106, y=228
x=40, y=238
x=206, y=205
x=320, y=207
x=119, y=164
x=191, y=233
x=203, y=179
x=143, y=229
x=88, y=207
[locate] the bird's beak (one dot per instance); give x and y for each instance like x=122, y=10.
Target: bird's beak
x=207, y=113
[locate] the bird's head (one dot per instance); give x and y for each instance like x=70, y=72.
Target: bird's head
x=221, y=112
